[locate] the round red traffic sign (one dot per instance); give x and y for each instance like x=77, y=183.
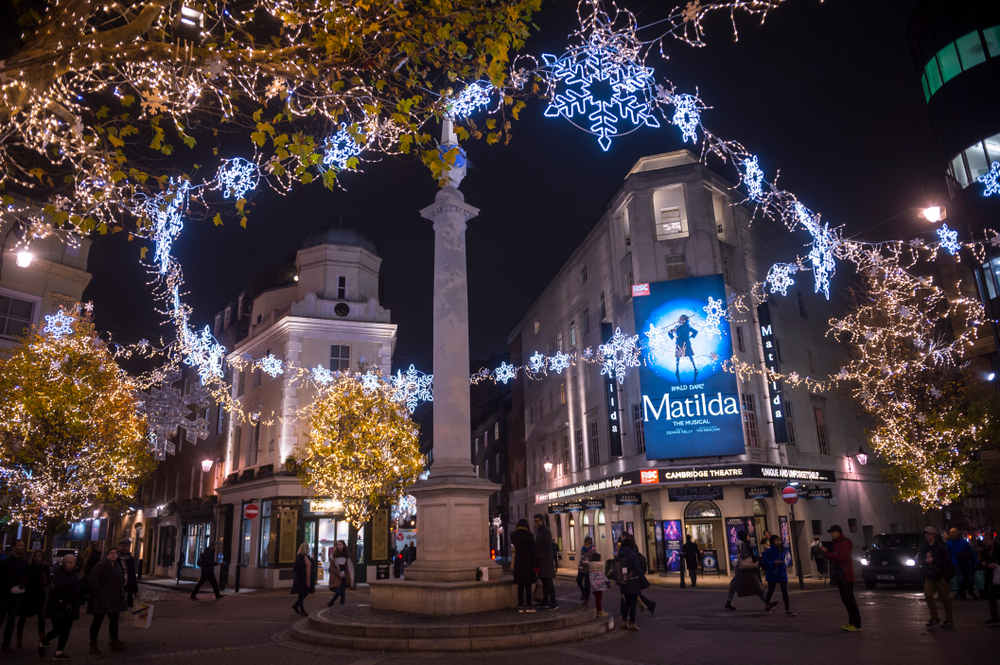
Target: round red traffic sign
x=251, y=511
x=790, y=495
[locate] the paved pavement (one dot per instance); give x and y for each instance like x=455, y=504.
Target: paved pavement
x=690, y=625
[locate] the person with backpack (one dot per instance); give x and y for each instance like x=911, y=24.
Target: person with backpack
x=746, y=581
x=963, y=557
x=773, y=563
x=629, y=576
x=207, y=565
x=935, y=564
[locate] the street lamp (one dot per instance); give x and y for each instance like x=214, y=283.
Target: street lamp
x=547, y=465
x=934, y=213
x=862, y=457
x=206, y=465
x=24, y=258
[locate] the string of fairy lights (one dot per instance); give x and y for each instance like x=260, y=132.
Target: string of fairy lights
x=600, y=83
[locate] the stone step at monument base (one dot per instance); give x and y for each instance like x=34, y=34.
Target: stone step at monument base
x=374, y=630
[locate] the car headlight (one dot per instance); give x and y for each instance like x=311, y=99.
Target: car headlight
x=864, y=562
x=909, y=562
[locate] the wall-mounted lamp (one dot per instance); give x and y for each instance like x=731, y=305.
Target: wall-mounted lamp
x=547, y=465
x=206, y=465
x=862, y=456
x=24, y=258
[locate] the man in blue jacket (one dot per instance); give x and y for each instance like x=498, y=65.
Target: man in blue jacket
x=773, y=563
x=963, y=557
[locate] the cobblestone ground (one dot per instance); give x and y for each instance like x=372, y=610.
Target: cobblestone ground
x=689, y=626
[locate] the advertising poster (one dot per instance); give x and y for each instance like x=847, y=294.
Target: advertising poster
x=786, y=541
x=630, y=528
x=672, y=544
x=661, y=555
x=709, y=562
x=733, y=526
x=691, y=406
x=617, y=528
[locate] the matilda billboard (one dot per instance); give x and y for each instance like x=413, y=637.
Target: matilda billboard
x=690, y=405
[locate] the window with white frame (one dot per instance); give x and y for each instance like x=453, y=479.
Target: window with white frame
x=750, y=420
x=676, y=267
x=237, y=441
x=229, y=316
x=579, y=450
x=583, y=274
x=604, y=308
x=739, y=339
x=640, y=432
x=16, y=315
x=572, y=334
x=595, y=445
x=820, y=415
x=340, y=357
x=567, y=465
x=719, y=210
x=727, y=270
x=670, y=224
x=342, y=287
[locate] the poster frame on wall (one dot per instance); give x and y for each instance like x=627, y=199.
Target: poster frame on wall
x=672, y=530
x=786, y=542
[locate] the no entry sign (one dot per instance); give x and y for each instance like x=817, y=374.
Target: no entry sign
x=251, y=511
x=790, y=495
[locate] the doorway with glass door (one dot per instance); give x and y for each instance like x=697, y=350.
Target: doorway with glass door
x=322, y=534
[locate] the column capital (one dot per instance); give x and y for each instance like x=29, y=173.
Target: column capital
x=449, y=200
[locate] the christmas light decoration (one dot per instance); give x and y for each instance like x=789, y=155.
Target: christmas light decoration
x=58, y=325
x=619, y=354
x=164, y=212
x=71, y=431
x=236, y=177
x=340, y=149
x=536, y=363
x=413, y=388
x=321, y=375
x=715, y=312
x=779, y=277
x=370, y=382
x=753, y=178
x=362, y=447
x=271, y=365
x=559, y=362
x=168, y=409
x=504, y=373
x=949, y=239
x=472, y=97
x=991, y=180
x=687, y=116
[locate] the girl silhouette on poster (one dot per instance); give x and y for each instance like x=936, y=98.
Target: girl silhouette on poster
x=682, y=334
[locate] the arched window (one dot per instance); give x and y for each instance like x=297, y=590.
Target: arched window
x=759, y=508
x=600, y=518
x=647, y=512
x=701, y=510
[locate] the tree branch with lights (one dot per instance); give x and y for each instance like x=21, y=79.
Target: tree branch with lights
x=71, y=433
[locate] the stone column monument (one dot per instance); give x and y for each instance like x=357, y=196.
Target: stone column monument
x=452, y=504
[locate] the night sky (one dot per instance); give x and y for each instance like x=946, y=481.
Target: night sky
x=824, y=92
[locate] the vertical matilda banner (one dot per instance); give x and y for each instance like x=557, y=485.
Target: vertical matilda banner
x=611, y=401
x=775, y=389
x=690, y=405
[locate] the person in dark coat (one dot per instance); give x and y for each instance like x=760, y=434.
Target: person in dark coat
x=33, y=598
x=627, y=561
x=13, y=573
x=62, y=607
x=107, y=586
x=95, y=557
x=304, y=580
x=546, y=562
x=776, y=574
x=989, y=561
x=207, y=565
x=936, y=564
x=127, y=563
x=841, y=560
x=525, y=564
x=691, y=556
x=745, y=582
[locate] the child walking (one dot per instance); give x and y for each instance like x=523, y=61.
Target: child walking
x=598, y=583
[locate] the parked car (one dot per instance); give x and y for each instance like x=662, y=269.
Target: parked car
x=891, y=558
x=59, y=553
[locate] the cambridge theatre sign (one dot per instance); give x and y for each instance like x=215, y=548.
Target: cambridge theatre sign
x=678, y=475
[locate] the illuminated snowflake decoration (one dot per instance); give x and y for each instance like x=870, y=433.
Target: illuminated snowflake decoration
x=657, y=341
x=58, y=325
x=754, y=179
x=949, y=239
x=164, y=212
x=276, y=88
x=687, y=116
x=794, y=377
x=821, y=254
x=405, y=509
x=604, y=81
x=153, y=102
x=321, y=375
x=236, y=177
x=843, y=375
x=715, y=311
x=991, y=179
x=370, y=382
x=168, y=409
x=471, y=98
x=271, y=365
x=559, y=362
x=588, y=353
x=205, y=354
x=340, y=148
x=413, y=388
x=921, y=418
x=214, y=66
x=536, y=363
x=619, y=354
x=779, y=277
x=505, y=373
x=935, y=392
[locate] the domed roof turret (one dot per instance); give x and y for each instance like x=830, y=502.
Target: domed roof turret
x=339, y=235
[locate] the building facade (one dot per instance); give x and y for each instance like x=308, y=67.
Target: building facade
x=674, y=221
x=322, y=310
x=489, y=458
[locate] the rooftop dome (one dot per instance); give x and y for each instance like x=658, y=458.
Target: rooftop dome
x=339, y=235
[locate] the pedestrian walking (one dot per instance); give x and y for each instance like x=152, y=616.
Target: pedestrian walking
x=13, y=582
x=525, y=565
x=62, y=607
x=629, y=576
x=746, y=581
x=598, y=582
x=937, y=568
x=94, y=557
x=341, y=572
x=691, y=559
x=546, y=562
x=989, y=561
x=776, y=573
x=33, y=598
x=583, y=569
x=303, y=582
x=207, y=565
x=816, y=553
x=127, y=563
x=963, y=557
x=841, y=560
x=107, y=588
x=644, y=603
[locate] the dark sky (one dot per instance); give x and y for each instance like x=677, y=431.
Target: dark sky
x=825, y=92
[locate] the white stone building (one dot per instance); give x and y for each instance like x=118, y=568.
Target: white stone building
x=673, y=219
x=326, y=313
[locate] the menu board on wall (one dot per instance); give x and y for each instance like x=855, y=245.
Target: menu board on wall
x=672, y=544
x=288, y=524
x=380, y=535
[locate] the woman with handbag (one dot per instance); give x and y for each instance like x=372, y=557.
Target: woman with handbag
x=62, y=607
x=341, y=572
x=107, y=584
x=33, y=599
x=304, y=581
x=746, y=581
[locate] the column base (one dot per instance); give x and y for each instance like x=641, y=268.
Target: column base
x=443, y=598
